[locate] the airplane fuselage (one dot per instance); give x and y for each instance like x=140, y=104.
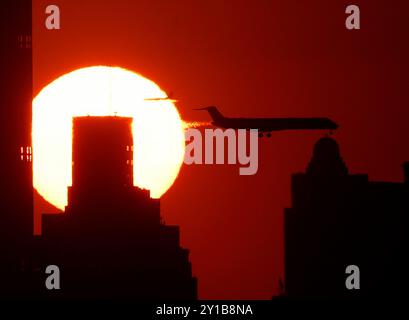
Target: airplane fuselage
x=276, y=124
x=269, y=124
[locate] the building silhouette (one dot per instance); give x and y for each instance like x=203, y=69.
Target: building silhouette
x=339, y=219
x=110, y=242
x=16, y=197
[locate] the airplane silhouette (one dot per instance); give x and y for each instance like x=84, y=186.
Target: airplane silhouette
x=266, y=125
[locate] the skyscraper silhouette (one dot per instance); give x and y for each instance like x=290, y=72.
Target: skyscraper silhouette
x=110, y=242
x=16, y=208
x=339, y=219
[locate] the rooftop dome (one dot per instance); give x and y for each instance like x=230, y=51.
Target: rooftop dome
x=326, y=159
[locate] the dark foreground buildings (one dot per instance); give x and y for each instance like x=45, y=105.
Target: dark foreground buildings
x=110, y=242
x=16, y=187
x=339, y=219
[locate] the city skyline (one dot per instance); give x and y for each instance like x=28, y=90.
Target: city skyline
x=266, y=60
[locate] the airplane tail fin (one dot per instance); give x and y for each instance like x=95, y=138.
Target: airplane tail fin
x=214, y=113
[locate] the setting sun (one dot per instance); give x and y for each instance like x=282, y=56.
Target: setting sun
x=105, y=91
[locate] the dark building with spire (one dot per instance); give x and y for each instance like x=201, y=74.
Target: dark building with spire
x=110, y=242
x=339, y=219
x=16, y=197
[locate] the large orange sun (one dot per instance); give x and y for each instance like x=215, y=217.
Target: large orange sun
x=103, y=91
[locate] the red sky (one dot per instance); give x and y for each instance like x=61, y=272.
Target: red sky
x=251, y=58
